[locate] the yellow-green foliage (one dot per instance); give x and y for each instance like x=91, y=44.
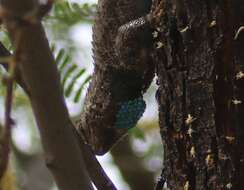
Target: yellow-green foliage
x=8, y=182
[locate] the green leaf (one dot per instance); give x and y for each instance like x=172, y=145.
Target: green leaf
x=78, y=93
x=59, y=56
x=68, y=73
x=70, y=13
x=53, y=47
x=70, y=87
x=137, y=133
x=65, y=62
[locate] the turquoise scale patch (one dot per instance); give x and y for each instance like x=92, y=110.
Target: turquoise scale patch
x=129, y=113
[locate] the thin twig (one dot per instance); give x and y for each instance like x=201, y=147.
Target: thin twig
x=161, y=182
x=95, y=170
x=9, y=82
x=4, y=53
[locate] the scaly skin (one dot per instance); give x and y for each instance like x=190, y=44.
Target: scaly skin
x=111, y=15
x=123, y=72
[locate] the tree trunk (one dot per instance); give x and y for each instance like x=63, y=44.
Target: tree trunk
x=198, y=51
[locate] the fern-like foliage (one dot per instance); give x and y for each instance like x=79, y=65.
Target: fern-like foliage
x=71, y=13
x=71, y=75
x=64, y=16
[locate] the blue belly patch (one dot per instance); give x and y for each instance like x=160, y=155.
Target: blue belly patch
x=129, y=113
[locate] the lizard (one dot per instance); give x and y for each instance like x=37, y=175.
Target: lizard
x=123, y=71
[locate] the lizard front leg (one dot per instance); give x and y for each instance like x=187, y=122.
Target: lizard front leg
x=133, y=46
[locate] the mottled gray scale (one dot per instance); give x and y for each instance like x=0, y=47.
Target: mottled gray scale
x=123, y=72
x=111, y=15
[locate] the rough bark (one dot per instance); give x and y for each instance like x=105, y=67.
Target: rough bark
x=201, y=92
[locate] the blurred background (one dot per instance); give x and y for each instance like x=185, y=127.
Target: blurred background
x=135, y=163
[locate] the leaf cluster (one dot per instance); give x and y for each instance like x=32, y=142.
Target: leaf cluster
x=70, y=75
x=72, y=13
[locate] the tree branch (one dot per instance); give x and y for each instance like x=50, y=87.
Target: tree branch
x=5, y=141
x=5, y=53
x=36, y=64
x=96, y=172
